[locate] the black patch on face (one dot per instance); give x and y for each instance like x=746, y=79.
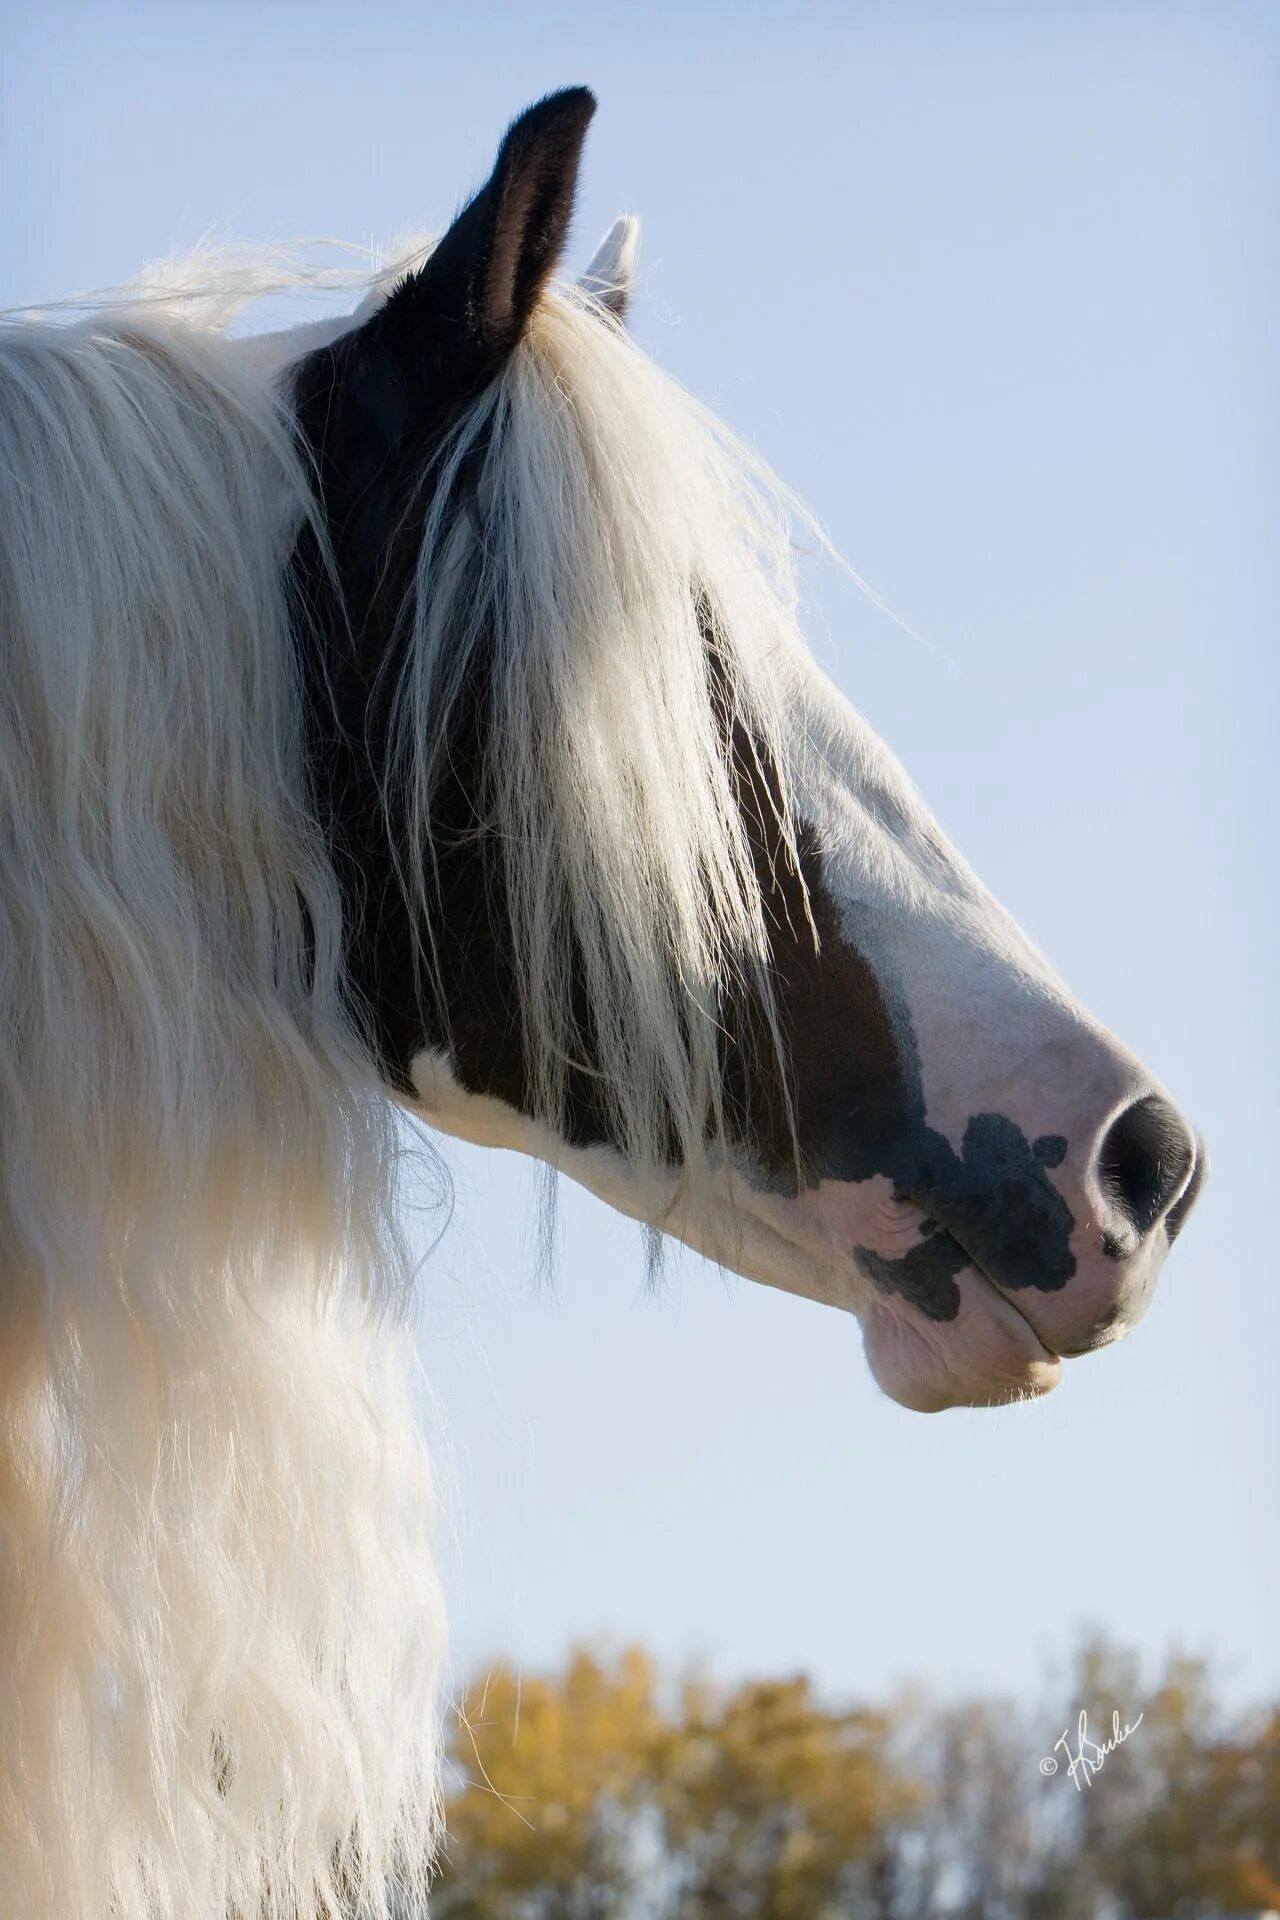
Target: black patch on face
x=993, y=1196
x=925, y=1276
x=858, y=1103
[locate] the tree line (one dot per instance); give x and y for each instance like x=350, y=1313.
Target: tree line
x=610, y=1791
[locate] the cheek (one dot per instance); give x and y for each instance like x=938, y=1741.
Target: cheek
x=850, y=1053
x=834, y=1220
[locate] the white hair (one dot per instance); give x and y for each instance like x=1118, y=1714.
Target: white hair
x=591, y=533
x=219, y=1623
x=220, y=1631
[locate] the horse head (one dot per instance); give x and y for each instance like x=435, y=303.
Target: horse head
x=630, y=886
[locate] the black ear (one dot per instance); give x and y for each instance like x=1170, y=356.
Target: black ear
x=474, y=296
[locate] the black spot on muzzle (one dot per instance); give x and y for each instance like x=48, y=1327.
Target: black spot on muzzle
x=859, y=1112
x=995, y=1207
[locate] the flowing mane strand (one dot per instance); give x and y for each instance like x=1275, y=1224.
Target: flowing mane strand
x=219, y=1627
x=591, y=536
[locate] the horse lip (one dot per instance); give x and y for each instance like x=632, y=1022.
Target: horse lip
x=1050, y=1353
x=1003, y=1293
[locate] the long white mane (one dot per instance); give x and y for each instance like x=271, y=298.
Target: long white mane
x=219, y=1625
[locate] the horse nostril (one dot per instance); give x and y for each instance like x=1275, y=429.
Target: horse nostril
x=1145, y=1162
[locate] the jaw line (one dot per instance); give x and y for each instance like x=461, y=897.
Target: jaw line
x=740, y=1228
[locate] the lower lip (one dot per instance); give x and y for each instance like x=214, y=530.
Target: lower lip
x=1046, y=1352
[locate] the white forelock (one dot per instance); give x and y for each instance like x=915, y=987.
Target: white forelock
x=610, y=522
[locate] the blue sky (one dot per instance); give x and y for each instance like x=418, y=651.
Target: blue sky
x=996, y=289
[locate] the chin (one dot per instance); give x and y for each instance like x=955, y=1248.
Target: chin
x=988, y=1356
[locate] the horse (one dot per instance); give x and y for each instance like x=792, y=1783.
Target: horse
x=408, y=712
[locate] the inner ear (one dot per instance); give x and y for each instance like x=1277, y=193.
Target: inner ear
x=473, y=297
